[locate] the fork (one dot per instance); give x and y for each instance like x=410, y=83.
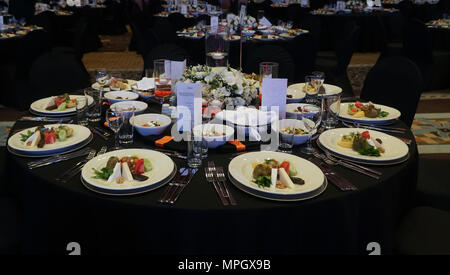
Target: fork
x=223, y=179
x=102, y=150
x=210, y=178
x=180, y=187
x=338, y=161
x=57, y=158
x=182, y=173
x=66, y=176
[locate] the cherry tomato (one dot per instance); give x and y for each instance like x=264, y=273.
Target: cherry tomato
x=365, y=134
x=59, y=102
x=358, y=104
x=50, y=137
x=354, y=110
x=139, y=167
x=285, y=165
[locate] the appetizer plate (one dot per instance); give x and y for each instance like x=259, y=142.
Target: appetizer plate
x=127, y=106
x=224, y=134
x=80, y=135
x=395, y=148
x=241, y=170
x=291, y=107
x=162, y=171
x=98, y=86
x=139, y=120
x=393, y=115
x=270, y=37
x=295, y=123
x=297, y=96
x=38, y=106
x=329, y=89
x=118, y=96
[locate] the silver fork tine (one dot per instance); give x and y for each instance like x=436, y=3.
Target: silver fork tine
x=175, y=185
x=169, y=187
x=223, y=179
x=180, y=189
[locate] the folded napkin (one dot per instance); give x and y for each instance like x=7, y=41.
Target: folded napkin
x=247, y=116
x=167, y=142
x=146, y=83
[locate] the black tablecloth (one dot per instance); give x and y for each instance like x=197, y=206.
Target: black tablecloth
x=334, y=222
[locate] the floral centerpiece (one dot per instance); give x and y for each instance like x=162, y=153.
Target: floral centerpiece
x=355, y=4
x=224, y=86
x=233, y=22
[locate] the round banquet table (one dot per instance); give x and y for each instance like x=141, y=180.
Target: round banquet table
x=334, y=222
x=371, y=37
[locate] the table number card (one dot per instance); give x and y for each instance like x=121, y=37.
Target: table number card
x=214, y=22
x=274, y=94
x=242, y=14
x=195, y=3
x=1, y=20
x=184, y=9
x=265, y=22
x=177, y=70
x=189, y=105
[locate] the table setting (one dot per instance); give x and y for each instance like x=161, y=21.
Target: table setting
x=224, y=164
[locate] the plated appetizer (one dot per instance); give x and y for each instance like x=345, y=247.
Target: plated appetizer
x=125, y=169
x=151, y=124
x=61, y=103
x=294, y=131
x=108, y=83
x=363, y=144
x=42, y=136
x=274, y=175
x=359, y=110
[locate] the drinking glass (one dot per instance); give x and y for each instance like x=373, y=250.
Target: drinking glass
x=319, y=79
x=126, y=133
x=332, y=106
x=312, y=123
x=268, y=70
x=162, y=81
x=286, y=142
x=81, y=108
x=217, y=46
x=114, y=120
x=194, y=149
x=311, y=88
x=94, y=111
x=100, y=73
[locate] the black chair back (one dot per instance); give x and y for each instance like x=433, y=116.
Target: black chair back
x=56, y=73
x=417, y=42
x=345, y=46
x=178, y=21
x=395, y=82
x=270, y=53
x=163, y=31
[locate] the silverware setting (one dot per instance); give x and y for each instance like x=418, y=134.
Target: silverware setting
x=46, y=119
x=58, y=158
x=98, y=133
x=171, y=153
x=375, y=127
x=177, y=185
x=357, y=168
x=217, y=177
x=104, y=132
x=335, y=178
x=66, y=176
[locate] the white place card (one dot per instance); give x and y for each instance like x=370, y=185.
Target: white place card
x=214, y=22
x=304, y=3
x=274, y=95
x=242, y=14
x=377, y=3
x=146, y=83
x=177, y=69
x=189, y=105
x=1, y=20
x=195, y=3
x=77, y=3
x=184, y=9
x=167, y=67
x=265, y=22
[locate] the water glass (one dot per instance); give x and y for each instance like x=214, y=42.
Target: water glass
x=114, y=119
x=194, y=149
x=126, y=132
x=217, y=46
x=100, y=73
x=268, y=70
x=311, y=88
x=94, y=111
x=81, y=108
x=312, y=124
x=332, y=106
x=286, y=142
x=162, y=82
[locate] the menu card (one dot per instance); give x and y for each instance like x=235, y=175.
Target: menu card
x=273, y=92
x=214, y=22
x=189, y=105
x=174, y=69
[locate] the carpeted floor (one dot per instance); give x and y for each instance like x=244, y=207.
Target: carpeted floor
x=5, y=126
x=432, y=133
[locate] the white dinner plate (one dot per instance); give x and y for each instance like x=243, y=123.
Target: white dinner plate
x=297, y=96
x=97, y=86
x=241, y=170
x=395, y=148
x=163, y=168
x=329, y=89
x=120, y=96
x=394, y=114
x=39, y=105
x=80, y=135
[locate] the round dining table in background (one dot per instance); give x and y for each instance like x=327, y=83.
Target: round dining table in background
x=334, y=222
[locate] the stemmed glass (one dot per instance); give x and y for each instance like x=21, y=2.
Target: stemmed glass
x=312, y=122
x=319, y=79
x=114, y=119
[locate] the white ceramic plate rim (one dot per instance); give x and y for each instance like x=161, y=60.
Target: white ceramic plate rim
x=395, y=148
x=313, y=176
x=39, y=105
x=393, y=114
x=329, y=89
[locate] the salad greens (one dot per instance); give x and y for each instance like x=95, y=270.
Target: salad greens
x=263, y=181
x=103, y=174
x=26, y=136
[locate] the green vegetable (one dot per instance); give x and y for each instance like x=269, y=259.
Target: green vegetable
x=263, y=181
x=26, y=136
x=62, y=135
x=369, y=151
x=383, y=114
x=292, y=171
x=62, y=107
x=103, y=174
x=147, y=165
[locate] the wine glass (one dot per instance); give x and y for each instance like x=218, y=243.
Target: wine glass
x=312, y=122
x=114, y=119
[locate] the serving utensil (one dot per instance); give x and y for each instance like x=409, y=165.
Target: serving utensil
x=66, y=176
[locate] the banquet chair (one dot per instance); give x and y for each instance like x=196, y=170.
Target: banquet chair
x=270, y=53
x=163, y=31
x=10, y=227
x=46, y=20
x=76, y=40
x=55, y=73
x=178, y=21
x=141, y=44
x=396, y=82
x=423, y=231
x=166, y=51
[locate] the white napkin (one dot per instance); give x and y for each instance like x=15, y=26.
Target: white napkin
x=254, y=134
x=247, y=116
x=265, y=22
x=146, y=83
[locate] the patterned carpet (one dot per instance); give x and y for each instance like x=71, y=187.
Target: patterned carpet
x=432, y=133
x=5, y=126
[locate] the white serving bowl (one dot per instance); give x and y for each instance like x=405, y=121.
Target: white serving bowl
x=127, y=96
x=214, y=141
x=139, y=106
x=284, y=123
x=138, y=120
x=291, y=107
